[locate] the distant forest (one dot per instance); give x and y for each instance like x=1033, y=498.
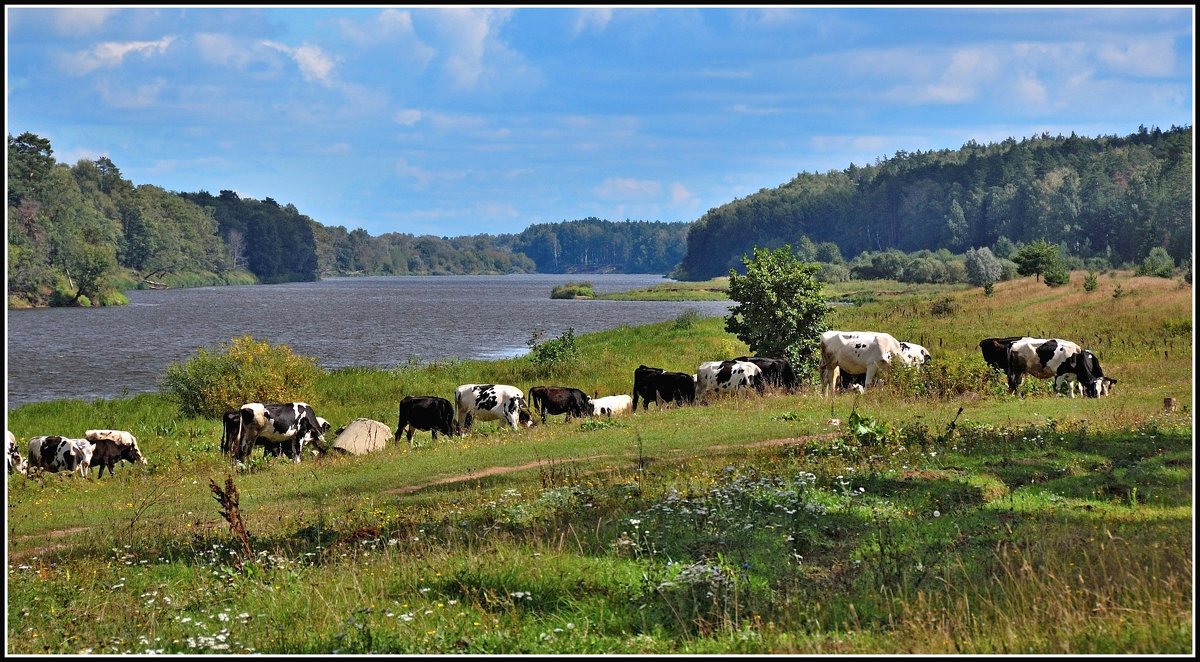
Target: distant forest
x=80, y=234
x=1109, y=197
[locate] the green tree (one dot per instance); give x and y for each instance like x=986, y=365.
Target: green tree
x=1157, y=263
x=982, y=267
x=1036, y=258
x=780, y=311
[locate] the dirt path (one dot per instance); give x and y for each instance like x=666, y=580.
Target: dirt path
x=35, y=551
x=495, y=471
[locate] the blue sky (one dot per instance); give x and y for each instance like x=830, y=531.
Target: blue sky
x=465, y=120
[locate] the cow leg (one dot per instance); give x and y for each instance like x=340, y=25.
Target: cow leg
x=872, y=369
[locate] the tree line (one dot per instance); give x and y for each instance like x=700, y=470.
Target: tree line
x=1113, y=197
x=81, y=234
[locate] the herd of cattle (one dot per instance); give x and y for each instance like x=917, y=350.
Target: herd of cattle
x=850, y=361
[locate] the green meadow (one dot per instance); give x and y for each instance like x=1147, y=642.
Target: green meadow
x=933, y=514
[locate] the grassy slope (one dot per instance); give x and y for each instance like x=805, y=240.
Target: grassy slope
x=167, y=511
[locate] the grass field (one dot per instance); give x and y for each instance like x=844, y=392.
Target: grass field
x=939, y=515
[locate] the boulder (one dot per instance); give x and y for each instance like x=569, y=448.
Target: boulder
x=362, y=436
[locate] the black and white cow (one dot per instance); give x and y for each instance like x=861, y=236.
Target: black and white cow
x=54, y=454
x=16, y=461
x=914, y=354
x=425, y=412
x=284, y=427
x=658, y=385
x=869, y=353
x=611, y=405
x=555, y=400
x=717, y=377
x=1057, y=359
x=775, y=372
x=995, y=351
x=491, y=402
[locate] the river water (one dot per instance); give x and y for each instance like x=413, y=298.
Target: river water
x=102, y=353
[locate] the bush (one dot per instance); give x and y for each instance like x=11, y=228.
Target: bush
x=552, y=352
x=572, y=290
x=1056, y=275
x=246, y=370
x=686, y=320
x=1157, y=263
x=1090, y=282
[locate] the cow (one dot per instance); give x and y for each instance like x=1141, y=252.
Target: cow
x=775, y=372
x=231, y=429
x=554, y=400
x=611, y=405
x=491, y=402
x=54, y=454
x=995, y=351
x=658, y=385
x=728, y=376
x=111, y=447
x=278, y=427
x=914, y=354
x=425, y=412
x=1057, y=359
x=859, y=352
x=16, y=461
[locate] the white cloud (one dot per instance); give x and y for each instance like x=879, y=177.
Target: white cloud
x=407, y=116
x=596, y=19
x=81, y=20
x=681, y=195
x=748, y=110
x=1148, y=57
x=1031, y=92
x=112, y=54
x=314, y=64
x=624, y=188
x=140, y=96
x=338, y=149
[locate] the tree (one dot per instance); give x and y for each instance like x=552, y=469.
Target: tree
x=1035, y=258
x=982, y=267
x=1157, y=263
x=781, y=312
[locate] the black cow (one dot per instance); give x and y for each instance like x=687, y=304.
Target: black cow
x=231, y=428
x=650, y=384
x=554, y=400
x=426, y=412
x=776, y=372
x=995, y=351
x=282, y=427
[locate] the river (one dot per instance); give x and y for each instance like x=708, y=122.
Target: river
x=116, y=351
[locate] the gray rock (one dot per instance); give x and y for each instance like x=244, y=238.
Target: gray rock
x=362, y=436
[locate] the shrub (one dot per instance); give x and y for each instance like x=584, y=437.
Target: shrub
x=943, y=307
x=572, y=290
x=1157, y=263
x=989, y=289
x=1056, y=275
x=982, y=267
x=246, y=370
x=1090, y=282
x=686, y=320
x=552, y=352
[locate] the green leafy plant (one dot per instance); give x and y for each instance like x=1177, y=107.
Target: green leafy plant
x=246, y=370
x=554, y=351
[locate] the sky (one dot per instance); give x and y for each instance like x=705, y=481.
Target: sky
x=464, y=120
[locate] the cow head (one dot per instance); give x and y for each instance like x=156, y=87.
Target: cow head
x=524, y=419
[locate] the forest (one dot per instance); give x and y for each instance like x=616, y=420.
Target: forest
x=1108, y=197
x=82, y=234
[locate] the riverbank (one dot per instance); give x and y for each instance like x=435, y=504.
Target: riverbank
x=927, y=521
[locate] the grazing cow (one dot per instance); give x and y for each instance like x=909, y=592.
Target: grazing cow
x=425, y=412
x=728, y=376
x=54, y=454
x=995, y=351
x=491, y=402
x=858, y=352
x=16, y=461
x=776, y=372
x=282, y=427
x=554, y=400
x=611, y=405
x=658, y=385
x=112, y=446
x=1057, y=359
x=914, y=354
